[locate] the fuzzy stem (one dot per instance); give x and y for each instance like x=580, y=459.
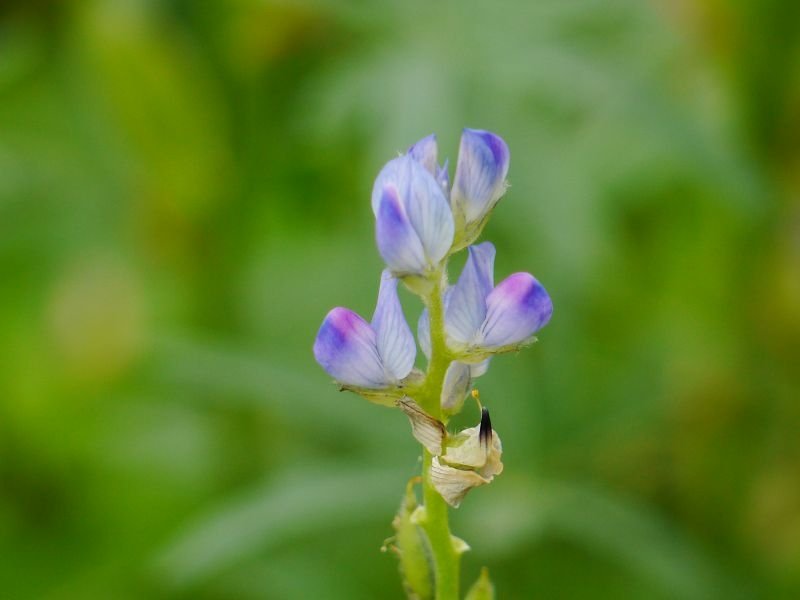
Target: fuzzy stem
x=440, y=357
x=436, y=526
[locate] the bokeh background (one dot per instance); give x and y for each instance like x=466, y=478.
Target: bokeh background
x=184, y=193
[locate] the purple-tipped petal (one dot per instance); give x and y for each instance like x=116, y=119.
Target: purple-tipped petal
x=393, y=174
x=398, y=243
x=480, y=178
x=429, y=213
x=466, y=310
x=346, y=348
x=395, y=341
x=424, y=333
x=517, y=308
x=420, y=232
x=425, y=152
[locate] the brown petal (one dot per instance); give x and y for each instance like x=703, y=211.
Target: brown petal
x=428, y=431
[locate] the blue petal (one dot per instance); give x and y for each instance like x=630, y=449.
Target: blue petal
x=443, y=177
x=425, y=152
x=429, y=213
x=517, y=308
x=395, y=341
x=480, y=368
x=456, y=385
x=424, y=211
x=424, y=333
x=466, y=310
x=394, y=174
x=346, y=348
x=398, y=242
x=480, y=178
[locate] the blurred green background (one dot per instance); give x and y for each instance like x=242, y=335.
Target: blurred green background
x=184, y=193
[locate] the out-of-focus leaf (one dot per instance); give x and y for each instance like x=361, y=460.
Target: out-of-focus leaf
x=165, y=103
x=640, y=540
x=236, y=376
x=301, y=503
x=482, y=589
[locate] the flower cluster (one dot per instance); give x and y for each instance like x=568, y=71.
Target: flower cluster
x=420, y=221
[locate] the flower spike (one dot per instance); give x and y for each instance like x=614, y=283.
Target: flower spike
x=422, y=217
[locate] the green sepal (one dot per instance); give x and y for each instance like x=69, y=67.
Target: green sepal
x=413, y=549
x=419, y=284
x=482, y=589
x=390, y=395
x=475, y=354
x=466, y=233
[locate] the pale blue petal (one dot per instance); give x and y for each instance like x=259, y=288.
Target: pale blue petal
x=395, y=341
x=456, y=385
x=466, y=310
x=517, y=308
x=480, y=178
x=424, y=333
x=395, y=174
x=429, y=213
x=480, y=368
x=346, y=348
x=443, y=177
x=398, y=242
x=425, y=152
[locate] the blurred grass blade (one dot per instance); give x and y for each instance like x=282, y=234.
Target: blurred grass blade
x=610, y=526
x=300, y=503
x=482, y=589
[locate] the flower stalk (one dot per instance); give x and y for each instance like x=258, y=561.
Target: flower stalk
x=440, y=356
x=436, y=520
x=436, y=525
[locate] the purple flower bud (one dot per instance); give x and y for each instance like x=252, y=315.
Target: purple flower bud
x=480, y=178
x=373, y=356
x=414, y=225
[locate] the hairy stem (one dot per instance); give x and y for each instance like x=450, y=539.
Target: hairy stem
x=440, y=358
x=436, y=525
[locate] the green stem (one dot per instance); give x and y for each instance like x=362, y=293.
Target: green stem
x=440, y=357
x=436, y=526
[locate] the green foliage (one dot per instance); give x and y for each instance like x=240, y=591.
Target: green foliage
x=184, y=193
x=482, y=589
x=412, y=548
